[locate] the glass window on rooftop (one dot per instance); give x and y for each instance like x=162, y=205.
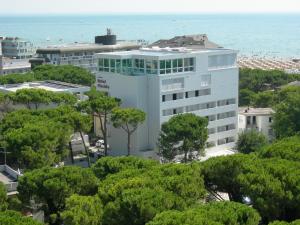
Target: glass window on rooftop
x=151, y=66
x=126, y=66
x=139, y=66
x=188, y=64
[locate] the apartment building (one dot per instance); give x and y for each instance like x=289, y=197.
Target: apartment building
x=81, y=54
x=17, y=48
x=164, y=82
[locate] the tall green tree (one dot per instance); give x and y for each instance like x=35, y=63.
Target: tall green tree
x=100, y=105
x=221, y=174
x=81, y=123
x=183, y=133
x=87, y=210
x=128, y=119
x=52, y=186
x=250, y=141
x=286, y=118
x=35, y=145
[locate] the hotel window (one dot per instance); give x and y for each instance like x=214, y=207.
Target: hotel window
x=168, y=66
x=118, y=65
x=188, y=64
x=211, y=130
x=163, y=98
x=226, y=102
x=151, y=67
x=139, y=66
x=112, y=65
x=127, y=66
x=197, y=93
x=226, y=128
x=162, y=64
x=106, y=65
x=225, y=115
x=100, y=64
x=211, y=118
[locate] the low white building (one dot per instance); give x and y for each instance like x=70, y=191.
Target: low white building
x=49, y=85
x=10, y=66
x=259, y=119
x=169, y=81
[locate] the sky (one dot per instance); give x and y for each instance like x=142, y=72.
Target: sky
x=14, y=7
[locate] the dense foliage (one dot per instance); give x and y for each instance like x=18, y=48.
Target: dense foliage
x=250, y=141
x=64, y=73
x=135, y=196
x=39, y=138
x=255, y=84
x=52, y=186
x=273, y=185
x=210, y=214
x=287, y=148
x=111, y=165
x=3, y=197
x=81, y=210
x=14, y=218
x=286, y=118
x=33, y=98
x=183, y=134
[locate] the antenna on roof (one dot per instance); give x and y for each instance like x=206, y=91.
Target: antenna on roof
x=108, y=31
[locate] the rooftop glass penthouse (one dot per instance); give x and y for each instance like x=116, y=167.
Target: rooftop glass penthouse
x=151, y=61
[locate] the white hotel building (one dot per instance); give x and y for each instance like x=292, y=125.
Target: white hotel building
x=167, y=81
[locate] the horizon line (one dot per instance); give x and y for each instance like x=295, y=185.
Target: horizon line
x=145, y=13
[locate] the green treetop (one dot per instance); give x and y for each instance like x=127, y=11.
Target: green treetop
x=250, y=141
x=216, y=213
x=52, y=186
x=81, y=210
x=184, y=133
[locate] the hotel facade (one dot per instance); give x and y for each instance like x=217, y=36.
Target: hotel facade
x=164, y=82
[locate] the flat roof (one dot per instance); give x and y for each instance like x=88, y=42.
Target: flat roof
x=255, y=111
x=15, y=63
x=156, y=51
x=49, y=85
x=76, y=47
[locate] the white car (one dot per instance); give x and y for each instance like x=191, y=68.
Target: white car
x=100, y=144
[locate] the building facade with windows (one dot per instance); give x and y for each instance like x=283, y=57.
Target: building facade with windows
x=81, y=54
x=164, y=82
x=17, y=48
x=259, y=119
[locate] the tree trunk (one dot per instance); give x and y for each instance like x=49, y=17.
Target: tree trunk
x=86, y=151
x=185, y=156
x=71, y=152
x=103, y=127
x=105, y=135
x=128, y=144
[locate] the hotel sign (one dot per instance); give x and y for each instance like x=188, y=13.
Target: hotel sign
x=101, y=83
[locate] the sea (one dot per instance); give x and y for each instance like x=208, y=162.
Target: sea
x=264, y=35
